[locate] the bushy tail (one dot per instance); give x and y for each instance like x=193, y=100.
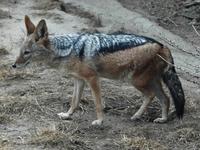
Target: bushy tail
x=172, y=81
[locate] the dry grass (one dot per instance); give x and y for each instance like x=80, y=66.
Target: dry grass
x=3, y=51
x=141, y=143
x=19, y=105
x=51, y=137
x=12, y=105
x=184, y=135
x=7, y=73
x=4, y=118
x=4, y=144
x=47, y=137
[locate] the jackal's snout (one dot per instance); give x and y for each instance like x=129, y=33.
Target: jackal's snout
x=21, y=61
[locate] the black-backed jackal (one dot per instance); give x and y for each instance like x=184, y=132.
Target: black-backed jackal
x=140, y=60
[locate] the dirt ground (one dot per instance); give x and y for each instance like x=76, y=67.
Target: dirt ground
x=177, y=16
x=30, y=98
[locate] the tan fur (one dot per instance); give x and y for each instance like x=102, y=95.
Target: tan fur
x=130, y=60
x=140, y=66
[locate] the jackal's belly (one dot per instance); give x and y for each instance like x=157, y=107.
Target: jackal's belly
x=113, y=70
x=125, y=75
x=113, y=67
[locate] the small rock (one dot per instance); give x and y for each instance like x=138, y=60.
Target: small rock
x=4, y=14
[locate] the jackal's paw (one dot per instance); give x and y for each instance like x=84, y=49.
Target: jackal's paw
x=64, y=116
x=160, y=120
x=135, y=117
x=97, y=122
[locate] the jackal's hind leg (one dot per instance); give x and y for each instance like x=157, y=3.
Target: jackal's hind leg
x=78, y=90
x=149, y=97
x=164, y=103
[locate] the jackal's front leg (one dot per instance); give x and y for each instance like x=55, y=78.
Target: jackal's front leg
x=78, y=90
x=96, y=91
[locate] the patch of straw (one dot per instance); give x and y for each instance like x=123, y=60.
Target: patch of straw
x=4, y=118
x=7, y=73
x=52, y=137
x=4, y=144
x=184, y=135
x=141, y=143
x=47, y=136
x=3, y=51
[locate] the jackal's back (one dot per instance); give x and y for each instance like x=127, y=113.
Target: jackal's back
x=90, y=45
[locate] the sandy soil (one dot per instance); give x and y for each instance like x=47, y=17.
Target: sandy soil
x=31, y=97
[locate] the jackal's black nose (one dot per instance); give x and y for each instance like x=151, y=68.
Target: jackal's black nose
x=14, y=66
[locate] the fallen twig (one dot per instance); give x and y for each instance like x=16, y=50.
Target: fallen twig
x=190, y=4
x=172, y=21
x=39, y=105
x=195, y=30
x=176, y=46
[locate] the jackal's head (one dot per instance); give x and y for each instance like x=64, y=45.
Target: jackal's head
x=34, y=44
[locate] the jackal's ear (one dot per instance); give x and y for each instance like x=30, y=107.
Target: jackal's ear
x=41, y=30
x=30, y=27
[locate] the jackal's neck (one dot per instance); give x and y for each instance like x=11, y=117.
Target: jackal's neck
x=62, y=45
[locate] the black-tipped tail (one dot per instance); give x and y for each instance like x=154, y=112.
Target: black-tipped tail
x=172, y=81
